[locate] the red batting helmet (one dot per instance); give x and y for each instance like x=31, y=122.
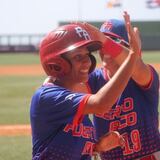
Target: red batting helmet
x=60, y=41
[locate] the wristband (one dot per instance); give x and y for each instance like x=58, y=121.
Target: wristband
x=112, y=48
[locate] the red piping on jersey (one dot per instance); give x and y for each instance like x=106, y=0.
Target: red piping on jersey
x=88, y=88
x=106, y=77
x=150, y=81
x=79, y=115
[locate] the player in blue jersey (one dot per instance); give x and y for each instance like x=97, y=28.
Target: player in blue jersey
x=61, y=128
x=135, y=113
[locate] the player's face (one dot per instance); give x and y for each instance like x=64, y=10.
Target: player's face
x=81, y=63
x=108, y=62
x=110, y=65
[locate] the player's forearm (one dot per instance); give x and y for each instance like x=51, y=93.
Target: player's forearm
x=141, y=73
x=103, y=100
x=119, y=59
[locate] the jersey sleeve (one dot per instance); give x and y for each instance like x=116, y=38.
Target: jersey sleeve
x=63, y=105
x=151, y=92
x=56, y=105
x=153, y=85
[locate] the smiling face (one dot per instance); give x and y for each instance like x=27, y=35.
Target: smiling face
x=80, y=65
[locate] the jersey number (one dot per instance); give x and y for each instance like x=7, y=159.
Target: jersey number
x=135, y=140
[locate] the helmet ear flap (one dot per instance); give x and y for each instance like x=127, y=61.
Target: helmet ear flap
x=93, y=63
x=57, y=67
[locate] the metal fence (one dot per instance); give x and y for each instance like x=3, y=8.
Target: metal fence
x=20, y=43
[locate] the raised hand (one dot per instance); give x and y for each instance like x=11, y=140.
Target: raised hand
x=93, y=31
x=133, y=35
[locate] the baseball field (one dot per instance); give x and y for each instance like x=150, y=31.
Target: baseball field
x=20, y=75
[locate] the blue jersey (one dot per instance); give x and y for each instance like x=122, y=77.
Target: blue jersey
x=59, y=130
x=134, y=115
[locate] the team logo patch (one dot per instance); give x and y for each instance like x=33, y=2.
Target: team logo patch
x=70, y=97
x=82, y=33
x=107, y=25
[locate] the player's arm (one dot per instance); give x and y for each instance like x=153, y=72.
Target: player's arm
x=141, y=73
x=108, y=94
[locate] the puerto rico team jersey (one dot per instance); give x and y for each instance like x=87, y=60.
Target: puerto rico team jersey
x=134, y=115
x=59, y=131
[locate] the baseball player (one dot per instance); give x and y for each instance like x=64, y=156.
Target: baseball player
x=135, y=113
x=61, y=128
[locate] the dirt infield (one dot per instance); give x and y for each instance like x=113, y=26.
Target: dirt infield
x=15, y=130
x=21, y=70
x=26, y=70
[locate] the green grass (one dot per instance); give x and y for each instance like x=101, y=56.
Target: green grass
x=15, y=95
x=15, y=148
x=19, y=59
x=151, y=57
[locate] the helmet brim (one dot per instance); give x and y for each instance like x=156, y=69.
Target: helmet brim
x=90, y=44
x=110, y=34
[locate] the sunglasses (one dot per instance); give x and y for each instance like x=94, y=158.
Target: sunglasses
x=120, y=41
x=117, y=39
